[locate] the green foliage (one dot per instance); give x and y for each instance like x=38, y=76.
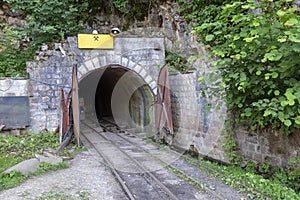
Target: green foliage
x=46, y=167
x=14, y=178
x=177, y=62
x=14, y=149
x=13, y=61
x=229, y=145
x=48, y=21
x=80, y=195
x=258, y=45
x=120, y=4
x=13, y=56
x=256, y=186
x=288, y=176
x=51, y=20
x=8, y=161
x=25, y=146
x=11, y=180
x=53, y=195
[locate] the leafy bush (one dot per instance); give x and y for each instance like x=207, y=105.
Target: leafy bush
x=51, y=20
x=258, y=45
x=176, y=61
x=256, y=186
x=13, y=61
x=48, y=21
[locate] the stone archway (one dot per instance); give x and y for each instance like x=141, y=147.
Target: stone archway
x=52, y=71
x=137, y=60
x=118, y=93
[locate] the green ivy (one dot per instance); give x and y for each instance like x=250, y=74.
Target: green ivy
x=229, y=145
x=177, y=62
x=48, y=21
x=258, y=45
x=120, y=4
x=51, y=20
x=13, y=61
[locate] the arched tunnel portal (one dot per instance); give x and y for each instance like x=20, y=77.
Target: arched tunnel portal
x=118, y=93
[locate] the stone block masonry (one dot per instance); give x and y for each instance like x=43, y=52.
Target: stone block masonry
x=13, y=87
x=47, y=76
x=195, y=124
x=192, y=123
x=52, y=69
x=267, y=146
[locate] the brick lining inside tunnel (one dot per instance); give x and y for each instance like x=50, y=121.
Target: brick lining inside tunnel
x=119, y=93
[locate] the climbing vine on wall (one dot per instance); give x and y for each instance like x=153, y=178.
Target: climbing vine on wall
x=48, y=21
x=258, y=46
x=51, y=20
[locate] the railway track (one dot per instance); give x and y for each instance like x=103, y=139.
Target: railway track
x=167, y=163
x=136, y=180
x=144, y=171
x=192, y=161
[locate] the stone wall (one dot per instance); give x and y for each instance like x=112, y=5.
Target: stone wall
x=184, y=108
x=52, y=69
x=205, y=130
x=267, y=146
x=13, y=87
x=193, y=123
x=48, y=74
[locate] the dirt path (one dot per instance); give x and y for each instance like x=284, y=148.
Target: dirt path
x=87, y=178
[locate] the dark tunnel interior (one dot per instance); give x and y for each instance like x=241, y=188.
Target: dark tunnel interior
x=119, y=94
x=104, y=91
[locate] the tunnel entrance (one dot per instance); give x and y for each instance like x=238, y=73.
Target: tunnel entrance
x=119, y=94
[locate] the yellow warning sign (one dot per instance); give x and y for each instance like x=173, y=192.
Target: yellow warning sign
x=95, y=41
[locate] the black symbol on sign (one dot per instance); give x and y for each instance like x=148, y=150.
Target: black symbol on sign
x=96, y=38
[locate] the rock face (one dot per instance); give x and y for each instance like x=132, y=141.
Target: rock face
x=31, y=165
x=12, y=17
x=49, y=158
x=26, y=166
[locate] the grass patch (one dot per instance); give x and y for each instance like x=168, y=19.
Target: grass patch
x=246, y=180
x=6, y=162
x=14, y=179
x=283, y=184
x=26, y=146
x=53, y=195
x=14, y=149
x=80, y=195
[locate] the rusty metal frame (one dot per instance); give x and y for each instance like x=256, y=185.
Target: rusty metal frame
x=69, y=107
x=65, y=123
x=75, y=105
x=163, y=113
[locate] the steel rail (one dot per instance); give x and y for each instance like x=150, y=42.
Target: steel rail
x=212, y=192
x=193, y=161
x=146, y=171
x=124, y=187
